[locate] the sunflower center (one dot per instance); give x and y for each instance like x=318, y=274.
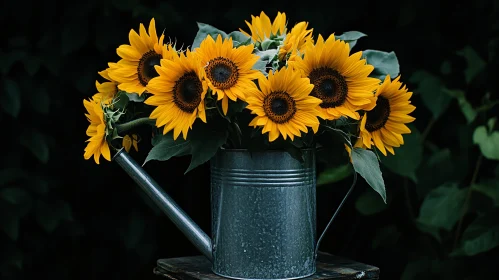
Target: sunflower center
x=222, y=72
x=329, y=86
x=377, y=117
x=279, y=107
x=187, y=92
x=145, y=69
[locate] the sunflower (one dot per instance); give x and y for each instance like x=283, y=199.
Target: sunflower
x=296, y=40
x=228, y=69
x=340, y=80
x=97, y=144
x=283, y=105
x=129, y=141
x=261, y=28
x=136, y=68
x=385, y=124
x=178, y=92
x=106, y=90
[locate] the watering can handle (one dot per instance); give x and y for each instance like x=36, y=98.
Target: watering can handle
x=336, y=213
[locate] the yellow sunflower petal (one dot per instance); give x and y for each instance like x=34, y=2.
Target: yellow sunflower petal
x=136, y=67
x=286, y=108
x=340, y=80
x=178, y=94
x=228, y=69
x=385, y=122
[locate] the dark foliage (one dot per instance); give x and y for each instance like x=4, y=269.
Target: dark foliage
x=62, y=217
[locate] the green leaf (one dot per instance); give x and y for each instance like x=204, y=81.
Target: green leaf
x=488, y=143
x=14, y=195
x=334, y=174
x=239, y=39
x=441, y=208
x=236, y=107
x=491, y=123
x=261, y=66
x=351, y=37
x=74, y=35
x=432, y=92
x=429, y=229
x=466, y=108
x=206, y=139
x=366, y=164
x=11, y=227
x=134, y=97
x=121, y=100
x=32, y=64
x=480, y=236
x=9, y=59
x=203, y=31
x=267, y=56
x=269, y=43
x=16, y=259
x=36, y=143
x=475, y=63
x=9, y=175
x=50, y=215
x=40, y=101
x=10, y=98
x=487, y=240
x=385, y=63
x=418, y=269
x=369, y=203
x=438, y=168
x=488, y=188
x=446, y=67
x=167, y=148
x=407, y=157
x=19, y=205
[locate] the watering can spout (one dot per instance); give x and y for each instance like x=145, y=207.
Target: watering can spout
x=188, y=227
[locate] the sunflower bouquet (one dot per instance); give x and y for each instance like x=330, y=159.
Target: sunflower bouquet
x=263, y=88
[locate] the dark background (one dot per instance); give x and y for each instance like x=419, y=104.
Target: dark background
x=62, y=217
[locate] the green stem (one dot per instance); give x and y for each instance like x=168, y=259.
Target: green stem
x=467, y=201
x=427, y=129
x=124, y=127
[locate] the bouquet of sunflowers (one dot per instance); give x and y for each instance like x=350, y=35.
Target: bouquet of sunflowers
x=264, y=88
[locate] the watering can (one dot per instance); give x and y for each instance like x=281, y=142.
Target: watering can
x=263, y=210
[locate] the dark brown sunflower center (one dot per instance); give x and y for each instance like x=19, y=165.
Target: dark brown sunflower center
x=222, y=72
x=145, y=69
x=377, y=117
x=330, y=86
x=187, y=92
x=279, y=107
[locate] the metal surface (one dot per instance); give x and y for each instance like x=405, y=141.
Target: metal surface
x=263, y=214
x=190, y=229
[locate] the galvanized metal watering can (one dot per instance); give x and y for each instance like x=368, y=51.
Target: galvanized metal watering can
x=263, y=208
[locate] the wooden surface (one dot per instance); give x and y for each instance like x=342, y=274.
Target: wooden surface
x=328, y=267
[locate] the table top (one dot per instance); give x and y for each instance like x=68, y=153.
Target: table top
x=328, y=267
